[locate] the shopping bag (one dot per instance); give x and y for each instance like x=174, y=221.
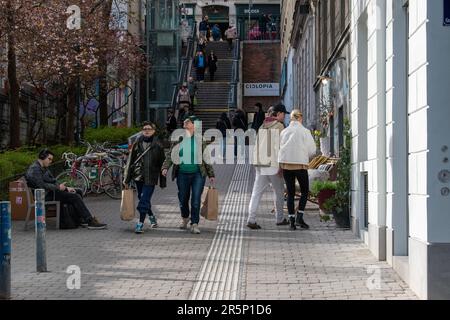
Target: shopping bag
x=195, y=102
x=127, y=205
x=210, y=205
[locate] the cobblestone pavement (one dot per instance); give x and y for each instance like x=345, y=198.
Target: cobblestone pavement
x=168, y=263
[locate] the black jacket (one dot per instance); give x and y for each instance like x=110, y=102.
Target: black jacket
x=239, y=121
x=40, y=178
x=148, y=169
x=258, y=120
x=212, y=63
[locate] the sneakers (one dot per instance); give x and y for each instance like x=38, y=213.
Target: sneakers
x=93, y=224
x=195, y=229
x=153, y=222
x=300, y=222
x=139, y=228
x=253, y=226
x=184, y=223
x=283, y=223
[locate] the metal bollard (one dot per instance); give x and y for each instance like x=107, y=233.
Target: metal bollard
x=5, y=250
x=41, y=254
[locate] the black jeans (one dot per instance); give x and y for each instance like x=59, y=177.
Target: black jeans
x=75, y=199
x=303, y=180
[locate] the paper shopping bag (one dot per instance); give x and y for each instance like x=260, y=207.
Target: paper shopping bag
x=210, y=205
x=127, y=205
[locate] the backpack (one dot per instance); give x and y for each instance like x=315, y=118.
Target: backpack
x=69, y=218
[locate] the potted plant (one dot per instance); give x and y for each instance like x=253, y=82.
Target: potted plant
x=339, y=205
x=322, y=191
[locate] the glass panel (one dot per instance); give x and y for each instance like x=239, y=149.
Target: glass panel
x=161, y=85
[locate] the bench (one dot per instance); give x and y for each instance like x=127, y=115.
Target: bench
x=31, y=204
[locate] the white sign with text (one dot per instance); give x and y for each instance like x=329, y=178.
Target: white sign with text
x=261, y=89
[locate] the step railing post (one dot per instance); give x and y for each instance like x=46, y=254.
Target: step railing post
x=5, y=250
x=41, y=252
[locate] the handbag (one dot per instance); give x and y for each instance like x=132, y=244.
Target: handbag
x=127, y=205
x=210, y=205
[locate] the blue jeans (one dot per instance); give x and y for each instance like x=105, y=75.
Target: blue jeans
x=145, y=193
x=187, y=183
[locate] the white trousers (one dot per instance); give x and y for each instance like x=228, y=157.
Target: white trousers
x=261, y=183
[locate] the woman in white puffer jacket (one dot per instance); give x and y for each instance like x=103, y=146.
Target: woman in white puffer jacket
x=296, y=149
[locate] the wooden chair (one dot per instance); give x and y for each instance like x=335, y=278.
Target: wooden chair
x=31, y=205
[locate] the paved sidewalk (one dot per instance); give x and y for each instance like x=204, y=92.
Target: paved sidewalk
x=116, y=263
x=168, y=263
x=320, y=263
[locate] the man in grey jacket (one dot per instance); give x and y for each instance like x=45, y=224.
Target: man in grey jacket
x=39, y=176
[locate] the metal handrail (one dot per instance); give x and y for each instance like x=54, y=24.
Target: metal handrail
x=232, y=95
x=184, y=67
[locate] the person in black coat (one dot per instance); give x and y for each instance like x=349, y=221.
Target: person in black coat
x=239, y=122
x=144, y=168
x=171, y=122
x=223, y=124
x=260, y=115
x=212, y=65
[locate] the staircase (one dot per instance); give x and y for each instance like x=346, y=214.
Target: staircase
x=213, y=96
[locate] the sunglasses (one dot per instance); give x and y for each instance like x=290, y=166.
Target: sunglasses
x=148, y=129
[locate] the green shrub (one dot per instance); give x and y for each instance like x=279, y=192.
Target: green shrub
x=6, y=168
x=16, y=162
x=322, y=185
x=109, y=134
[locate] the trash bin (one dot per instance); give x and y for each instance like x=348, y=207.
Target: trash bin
x=18, y=199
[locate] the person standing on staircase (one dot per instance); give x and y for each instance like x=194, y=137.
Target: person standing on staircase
x=216, y=33
x=231, y=34
x=204, y=27
x=200, y=65
x=212, y=65
x=193, y=90
x=183, y=97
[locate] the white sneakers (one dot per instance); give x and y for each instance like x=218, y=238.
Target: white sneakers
x=184, y=223
x=184, y=226
x=195, y=229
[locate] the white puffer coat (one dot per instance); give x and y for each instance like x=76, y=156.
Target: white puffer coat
x=297, y=145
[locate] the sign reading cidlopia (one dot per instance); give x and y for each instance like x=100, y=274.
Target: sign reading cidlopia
x=261, y=89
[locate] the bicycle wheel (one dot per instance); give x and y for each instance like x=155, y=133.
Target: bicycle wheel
x=74, y=179
x=111, y=181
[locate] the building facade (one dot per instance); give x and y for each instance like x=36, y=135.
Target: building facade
x=248, y=19
x=399, y=111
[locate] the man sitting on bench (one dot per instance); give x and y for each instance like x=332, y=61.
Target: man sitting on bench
x=39, y=176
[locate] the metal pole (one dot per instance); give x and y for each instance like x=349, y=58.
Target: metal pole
x=5, y=250
x=147, y=32
x=41, y=254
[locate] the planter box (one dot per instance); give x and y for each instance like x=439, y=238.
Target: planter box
x=323, y=196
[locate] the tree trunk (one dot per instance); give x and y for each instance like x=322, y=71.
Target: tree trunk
x=71, y=109
x=103, y=65
x=14, y=89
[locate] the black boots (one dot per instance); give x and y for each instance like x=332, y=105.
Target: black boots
x=292, y=223
x=300, y=222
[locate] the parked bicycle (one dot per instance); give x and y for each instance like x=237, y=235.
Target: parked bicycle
x=94, y=173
